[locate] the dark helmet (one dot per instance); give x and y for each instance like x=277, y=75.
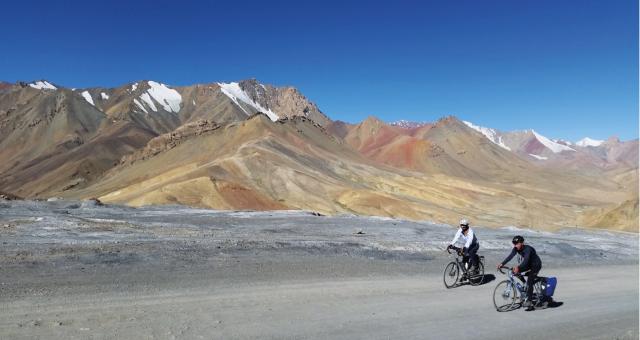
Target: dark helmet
x=517, y=239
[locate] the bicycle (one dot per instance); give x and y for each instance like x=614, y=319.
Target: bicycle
x=454, y=268
x=511, y=294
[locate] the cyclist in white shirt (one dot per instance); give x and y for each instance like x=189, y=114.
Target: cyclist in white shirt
x=470, y=248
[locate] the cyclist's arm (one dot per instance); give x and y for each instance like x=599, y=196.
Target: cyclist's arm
x=456, y=237
x=511, y=255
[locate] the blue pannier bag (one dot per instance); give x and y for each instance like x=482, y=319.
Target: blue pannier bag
x=549, y=285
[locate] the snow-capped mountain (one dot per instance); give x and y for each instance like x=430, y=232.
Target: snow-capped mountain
x=42, y=85
x=242, y=99
x=551, y=145
x=40, y=120
x=493, y=135
x=156, y=95
x=527, y=143
x=275, y=102
x=535, y=147
x=584, y=142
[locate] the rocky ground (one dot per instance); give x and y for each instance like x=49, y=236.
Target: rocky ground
x=84, y=270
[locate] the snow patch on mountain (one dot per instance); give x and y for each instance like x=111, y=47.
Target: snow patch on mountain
x=168, y=98
x=134, y=87
x=104, y=96
x=584, y=142
x=538, y=157
x=235, y=93
x=42, y=85
x=138, y=104
x=229, y=94
x=551, y=145
x=147, y=99
x=491, y=134
x=87, y=96
x=405, y=124
x=158, y=93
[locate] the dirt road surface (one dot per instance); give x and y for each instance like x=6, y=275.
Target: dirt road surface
x=74, y=272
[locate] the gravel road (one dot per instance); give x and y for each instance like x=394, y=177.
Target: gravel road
x=76, y=270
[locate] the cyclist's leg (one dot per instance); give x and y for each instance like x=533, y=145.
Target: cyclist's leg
x=465, y=260
x=531, y=280
x=473, y=255
x=531, y=276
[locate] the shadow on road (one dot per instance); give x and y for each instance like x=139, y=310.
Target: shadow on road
x=487, y=278
x=509, y=307
x=545, y=305
x=554, y=304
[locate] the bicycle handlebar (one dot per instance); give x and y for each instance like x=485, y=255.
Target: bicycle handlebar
x=458, y=250
x=520, y=274
x=503, y=267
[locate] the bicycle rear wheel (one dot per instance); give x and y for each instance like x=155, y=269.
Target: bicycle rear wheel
x=504, y=296
x=477, y=277
x=451, y=274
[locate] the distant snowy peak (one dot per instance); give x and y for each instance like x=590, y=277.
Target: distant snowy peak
x=104, y=96
x=42, y=85
x=237, y=95
x=405, y=124
x=551, y=145
x=157, y=93
x=491, y=134
x=87, y=96
x=584, y=142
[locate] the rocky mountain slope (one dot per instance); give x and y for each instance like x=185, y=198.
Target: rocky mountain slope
x=55, y=138
x=245, y=145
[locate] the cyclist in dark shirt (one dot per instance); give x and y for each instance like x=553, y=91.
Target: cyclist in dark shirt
x=530, y=261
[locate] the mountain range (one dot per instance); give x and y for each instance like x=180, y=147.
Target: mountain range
x=247, y=145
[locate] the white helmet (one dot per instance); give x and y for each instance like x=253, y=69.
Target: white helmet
x=464, y=222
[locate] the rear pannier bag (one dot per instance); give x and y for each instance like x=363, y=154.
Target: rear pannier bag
x=549, y=285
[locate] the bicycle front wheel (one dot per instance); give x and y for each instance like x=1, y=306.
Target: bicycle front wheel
x=477, y=277
x=504, y=296
x=451, y=274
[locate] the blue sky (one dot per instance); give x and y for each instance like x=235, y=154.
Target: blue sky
x=567, y=69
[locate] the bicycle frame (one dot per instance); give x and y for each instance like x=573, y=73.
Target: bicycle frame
x=458, y=257
x=460, y=263
x=521, y=289
x=519, y=284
